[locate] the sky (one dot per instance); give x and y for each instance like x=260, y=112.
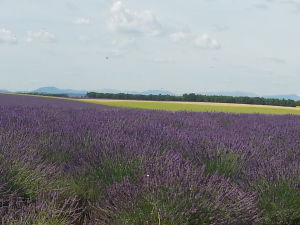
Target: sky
x=180, y=46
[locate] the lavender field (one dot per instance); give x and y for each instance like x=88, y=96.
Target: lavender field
x=65, y=162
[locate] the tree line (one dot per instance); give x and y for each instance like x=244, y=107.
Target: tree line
x=192, y=97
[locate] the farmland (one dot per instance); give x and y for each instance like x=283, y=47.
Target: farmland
x=68, y=162
x=196, y=106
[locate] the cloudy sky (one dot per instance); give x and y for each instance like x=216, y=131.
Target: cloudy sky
x=175, y=45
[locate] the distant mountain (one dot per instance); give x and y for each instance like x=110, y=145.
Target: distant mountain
x=148, y=92
x=231, y=93
x=249, y=94
x=153, y=92
x=4, y=91
x=291, y=96
x=108, y=90
x=54, y=90
x=79, y=93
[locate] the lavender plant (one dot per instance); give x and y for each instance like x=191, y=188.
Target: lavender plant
x=64, y=162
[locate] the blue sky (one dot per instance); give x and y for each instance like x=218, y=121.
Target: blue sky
x=180, y=46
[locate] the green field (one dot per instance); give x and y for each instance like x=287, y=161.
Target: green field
x=187, y=106
x=204, y=107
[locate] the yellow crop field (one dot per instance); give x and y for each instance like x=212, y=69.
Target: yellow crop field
x=196, y=106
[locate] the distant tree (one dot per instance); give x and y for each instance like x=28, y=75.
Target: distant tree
x=192, y=97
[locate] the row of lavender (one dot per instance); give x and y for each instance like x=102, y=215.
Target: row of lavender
x=64, y=162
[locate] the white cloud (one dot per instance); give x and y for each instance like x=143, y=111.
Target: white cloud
x=163, y=60
x=83, y=38
x=276, y=60
x=7, y=36
x=41, y=35
x=116, y=53
x=179, y=36
x=71, y=6
x=220, y=28
x=206, y=42
x=129, y=22
x=261, y=6
x=82, y=21
x=126, y=21
x=295, y=4
x=124, y=42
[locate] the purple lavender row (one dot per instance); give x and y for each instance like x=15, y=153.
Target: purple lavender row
x=64, y=162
